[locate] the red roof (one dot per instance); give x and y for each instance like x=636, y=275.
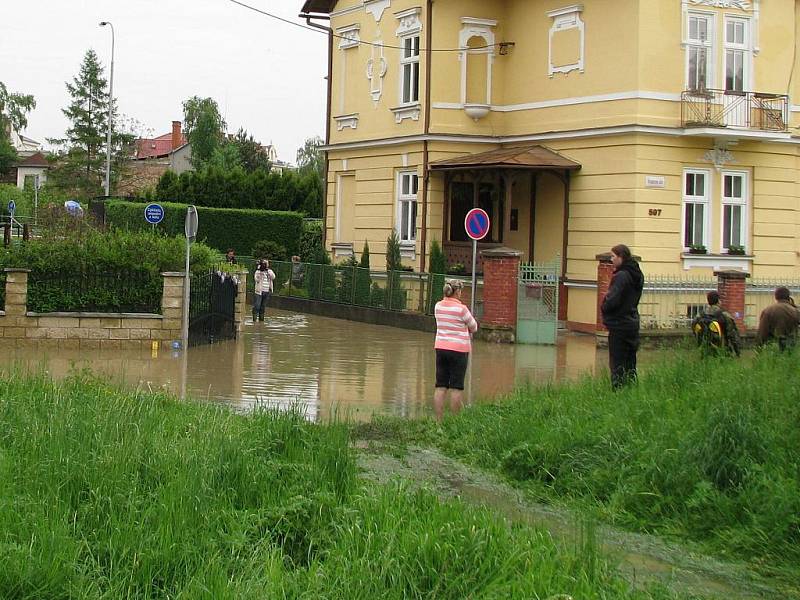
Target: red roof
x=160, y=146
x=34, y=160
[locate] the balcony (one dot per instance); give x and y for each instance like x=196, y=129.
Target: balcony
x=739, y=111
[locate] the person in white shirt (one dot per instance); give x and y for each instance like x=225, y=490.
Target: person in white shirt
x=264, y=277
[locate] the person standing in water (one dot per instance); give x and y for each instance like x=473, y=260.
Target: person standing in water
x=454, y=328
x=620, y=310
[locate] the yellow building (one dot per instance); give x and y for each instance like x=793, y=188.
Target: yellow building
x=663, y=124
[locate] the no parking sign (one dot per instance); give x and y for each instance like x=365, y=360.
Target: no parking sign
x=477, y=225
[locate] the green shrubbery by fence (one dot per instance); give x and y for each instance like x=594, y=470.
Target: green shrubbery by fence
x=220, y=228
x=100, y=271
x=235, y=188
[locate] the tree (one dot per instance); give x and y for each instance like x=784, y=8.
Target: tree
x=310, y=157
x=80, y=166
x=14, y=109
x=205, y=128
x=252, y=155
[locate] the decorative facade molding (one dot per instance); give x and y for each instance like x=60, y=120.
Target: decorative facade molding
x=744, y=5
x=346, y=121
x=565, y=19
x=376, y=8
x=484, y=29
x=410, y=23
x=410, y=111
x=350, y=36
x=719, y=156
x=376, y=70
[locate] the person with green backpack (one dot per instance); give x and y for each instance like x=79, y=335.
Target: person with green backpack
x=715, y=329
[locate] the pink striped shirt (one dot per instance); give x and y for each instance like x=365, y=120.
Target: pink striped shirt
x=453, y=326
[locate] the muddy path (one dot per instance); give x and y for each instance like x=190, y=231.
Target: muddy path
x=642, y=559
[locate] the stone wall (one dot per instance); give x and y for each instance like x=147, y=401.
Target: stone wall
x=77, y=330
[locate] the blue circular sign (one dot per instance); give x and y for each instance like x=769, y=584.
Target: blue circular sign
x=154, y=213
x=12, y=207
x=477, y=224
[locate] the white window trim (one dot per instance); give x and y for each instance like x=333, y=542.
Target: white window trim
x=694, y=200
x=409, y=61
x=346, y=121
x=745, y=203
x=401, y=198
x=710, y=45
x=410, y=23
x=484, y=29
x=748, y=83
x=350, y=36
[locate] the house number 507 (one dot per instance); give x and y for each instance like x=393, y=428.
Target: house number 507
x=655, y=212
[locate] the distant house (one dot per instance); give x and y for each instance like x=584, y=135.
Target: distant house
x=31, y=167
x=31, y=161
x=161, y=146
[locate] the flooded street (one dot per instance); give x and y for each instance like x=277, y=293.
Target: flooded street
x=321, y=366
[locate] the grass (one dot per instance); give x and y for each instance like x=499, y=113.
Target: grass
x=114, y=494
x=705, y=450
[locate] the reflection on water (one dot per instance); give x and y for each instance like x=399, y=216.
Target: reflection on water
x=322, y=365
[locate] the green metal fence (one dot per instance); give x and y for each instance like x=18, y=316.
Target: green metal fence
x=2, y=290
x=670, y=302
x=760, y=293
x=537, y=302
x=95, y=291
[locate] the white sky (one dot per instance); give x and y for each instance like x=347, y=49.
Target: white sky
x=266, y=76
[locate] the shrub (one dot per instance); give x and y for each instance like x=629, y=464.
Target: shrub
x=220, y=228
x=310, y=240
x=270, y=250
x=363, y=279
x=438, y=268
x=393, y=260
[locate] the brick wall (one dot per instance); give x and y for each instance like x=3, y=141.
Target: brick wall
x=20, y=328
x=731, y=286
x=500, y=280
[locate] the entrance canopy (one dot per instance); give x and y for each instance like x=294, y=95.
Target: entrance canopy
x=529, y=157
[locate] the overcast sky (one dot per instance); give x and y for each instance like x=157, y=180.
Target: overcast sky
x=266, y=76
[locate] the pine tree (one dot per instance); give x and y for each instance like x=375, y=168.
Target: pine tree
x=81, y=165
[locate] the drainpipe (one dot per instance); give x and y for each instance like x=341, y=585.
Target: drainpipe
x=425, y=131
x=329, y=78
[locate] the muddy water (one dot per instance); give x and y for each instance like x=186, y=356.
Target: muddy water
x=323, y=365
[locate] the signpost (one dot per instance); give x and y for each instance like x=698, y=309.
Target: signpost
x=190, y=229
x=12, y=208
x=477, y=225
x=154, y=214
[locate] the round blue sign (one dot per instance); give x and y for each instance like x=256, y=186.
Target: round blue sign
x=154, y=213
x=12, y=207
x=477, y=223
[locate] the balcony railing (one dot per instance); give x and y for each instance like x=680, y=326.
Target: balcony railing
x=740, y=110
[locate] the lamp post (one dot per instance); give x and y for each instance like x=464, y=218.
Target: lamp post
x=110, y=110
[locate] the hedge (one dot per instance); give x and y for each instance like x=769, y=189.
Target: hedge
x=220, y=228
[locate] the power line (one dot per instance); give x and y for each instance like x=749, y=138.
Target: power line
x=341, y=37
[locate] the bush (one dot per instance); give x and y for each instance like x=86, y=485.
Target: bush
x=101, y=271
x=270, y=250
x=310, y=241
x=220, y=228
x=216, y=187
x=363, y=279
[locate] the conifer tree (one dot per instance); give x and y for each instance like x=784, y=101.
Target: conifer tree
x=81, y=165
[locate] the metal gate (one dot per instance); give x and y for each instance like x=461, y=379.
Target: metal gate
x=537, y=305
x=212, y=307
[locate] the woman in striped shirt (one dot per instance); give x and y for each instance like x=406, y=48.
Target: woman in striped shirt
x=454, y=328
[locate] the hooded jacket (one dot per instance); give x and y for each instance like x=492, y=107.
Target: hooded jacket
x=620, y=306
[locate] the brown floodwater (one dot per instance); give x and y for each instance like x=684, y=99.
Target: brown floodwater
x=322, y=366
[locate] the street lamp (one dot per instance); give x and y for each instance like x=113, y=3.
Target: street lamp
x=110, y=110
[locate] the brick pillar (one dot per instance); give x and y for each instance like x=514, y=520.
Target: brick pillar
x=605, y=269
x=16, y=292
x=731, y=287
x=500, y=280
x=172, y=305
x=240, y=309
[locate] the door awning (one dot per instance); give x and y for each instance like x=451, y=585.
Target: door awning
x=528, y=157
x=318, y=6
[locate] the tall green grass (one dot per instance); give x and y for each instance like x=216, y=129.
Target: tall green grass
x=113, y=494
x=705, y=449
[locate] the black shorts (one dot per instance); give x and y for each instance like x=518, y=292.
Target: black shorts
x=451, y=366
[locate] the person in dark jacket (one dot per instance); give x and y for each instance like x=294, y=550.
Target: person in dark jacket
x=621, y=315
x=779, y=321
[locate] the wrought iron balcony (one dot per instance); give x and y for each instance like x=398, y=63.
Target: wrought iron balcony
x=739, y=110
